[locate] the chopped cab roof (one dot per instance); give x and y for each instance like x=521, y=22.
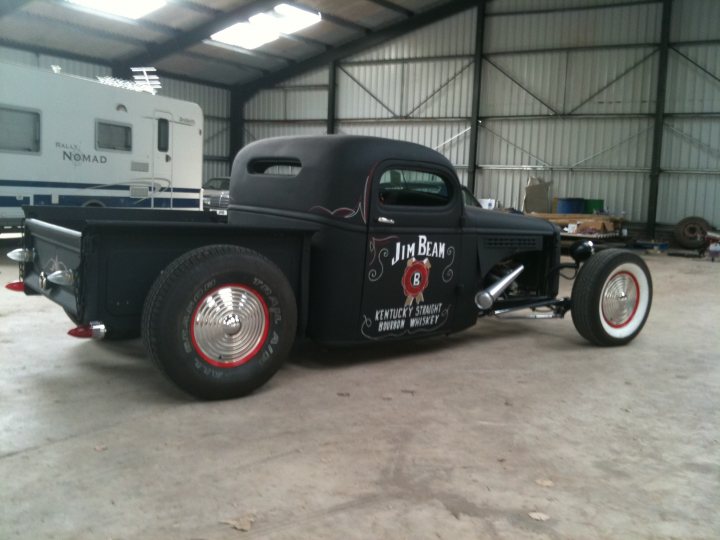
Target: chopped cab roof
x=329, y=171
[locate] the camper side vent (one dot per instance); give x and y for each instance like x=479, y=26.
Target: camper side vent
x=139, y=166
x=139, y=192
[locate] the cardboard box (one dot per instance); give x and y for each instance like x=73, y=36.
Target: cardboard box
x=591, y=226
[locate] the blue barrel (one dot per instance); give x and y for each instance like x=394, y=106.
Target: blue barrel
x=571, y=206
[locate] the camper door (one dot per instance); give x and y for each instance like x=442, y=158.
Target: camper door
x=162, y=161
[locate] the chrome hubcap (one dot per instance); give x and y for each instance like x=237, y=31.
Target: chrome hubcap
x=620, y=299
x=229, y=325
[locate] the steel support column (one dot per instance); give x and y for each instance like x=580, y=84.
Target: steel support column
x=475, y=110
x=237, y=122
x=659, y=118
x=331, y=97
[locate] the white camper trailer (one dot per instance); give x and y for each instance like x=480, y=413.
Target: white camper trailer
x=67, y=140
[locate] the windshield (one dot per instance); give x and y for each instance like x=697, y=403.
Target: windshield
x=468, y=198
x=221, y=183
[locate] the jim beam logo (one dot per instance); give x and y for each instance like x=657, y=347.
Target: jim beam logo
x=417, y=314
x=422, y=248
x=415, y=280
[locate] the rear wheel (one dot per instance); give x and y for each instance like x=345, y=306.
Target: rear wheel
x=219, y=321
x=611, y=297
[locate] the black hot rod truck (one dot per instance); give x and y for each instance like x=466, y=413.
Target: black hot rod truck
x=342, y=239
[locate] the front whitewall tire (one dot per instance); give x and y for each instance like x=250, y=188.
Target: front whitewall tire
x=624, y=320
x=611, y=297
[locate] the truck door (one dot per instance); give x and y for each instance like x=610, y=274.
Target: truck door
x=413, y=241
x=162, y=161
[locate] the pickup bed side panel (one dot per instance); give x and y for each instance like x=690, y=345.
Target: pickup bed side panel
x=116, y=255
x=128, y=258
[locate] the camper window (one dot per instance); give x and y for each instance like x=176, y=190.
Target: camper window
x=19, y=130
x=113, y=136
x=163, y=141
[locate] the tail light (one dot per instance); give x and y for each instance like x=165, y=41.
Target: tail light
x=95, y=330
x=17, y=286
x=84, y=331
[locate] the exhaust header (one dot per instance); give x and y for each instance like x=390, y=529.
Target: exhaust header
x=485, y=299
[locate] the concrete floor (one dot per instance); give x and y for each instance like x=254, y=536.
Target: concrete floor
x=459, y=437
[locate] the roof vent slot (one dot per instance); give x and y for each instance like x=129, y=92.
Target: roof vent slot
x=275, y=166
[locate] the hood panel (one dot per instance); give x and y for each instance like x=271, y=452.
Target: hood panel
x=494, y=222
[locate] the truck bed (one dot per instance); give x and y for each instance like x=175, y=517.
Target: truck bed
x=116, y=255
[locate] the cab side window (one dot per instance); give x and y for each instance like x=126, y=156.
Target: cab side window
x=404, y=187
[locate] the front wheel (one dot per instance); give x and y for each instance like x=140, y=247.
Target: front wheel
x=219, y=321
x=611, y=297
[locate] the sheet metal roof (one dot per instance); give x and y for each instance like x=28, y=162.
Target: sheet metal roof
x=172, y=38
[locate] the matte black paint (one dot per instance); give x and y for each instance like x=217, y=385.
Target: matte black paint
x=321, y=228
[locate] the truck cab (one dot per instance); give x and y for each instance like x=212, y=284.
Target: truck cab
x=397, y=252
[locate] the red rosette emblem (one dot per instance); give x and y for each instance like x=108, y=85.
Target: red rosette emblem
x=415, y=280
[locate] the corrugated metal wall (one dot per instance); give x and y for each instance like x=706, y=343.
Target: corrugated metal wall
x=73, y=67
x=568, y=94
x=215, y=103
x=296, y=107
x=416, y=88
x=690, y=184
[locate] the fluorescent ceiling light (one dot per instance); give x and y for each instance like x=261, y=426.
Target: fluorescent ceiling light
x=246, y=35
x=266, y=27
x=292, y=19
x=130, y=9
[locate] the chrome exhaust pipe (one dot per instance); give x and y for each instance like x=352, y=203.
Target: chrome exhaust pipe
x=98, y=330
x=485, y=299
